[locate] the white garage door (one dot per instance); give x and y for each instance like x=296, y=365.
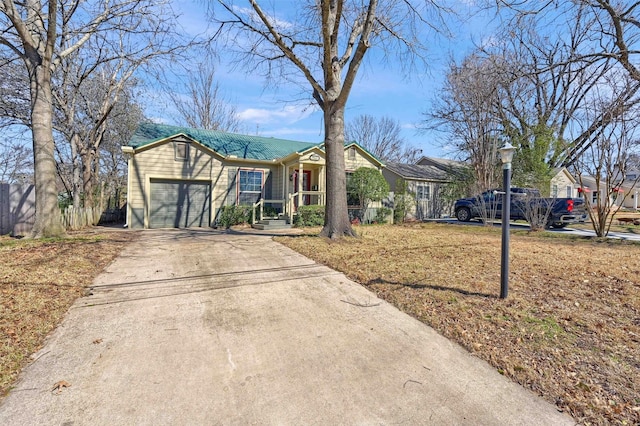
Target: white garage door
x=179, y=204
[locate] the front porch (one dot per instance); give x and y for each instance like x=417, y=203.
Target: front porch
x=289, y=206
x=300, y=180
x=302, y=183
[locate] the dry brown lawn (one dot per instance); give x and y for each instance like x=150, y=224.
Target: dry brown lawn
x=39, y=281
x=569, y=330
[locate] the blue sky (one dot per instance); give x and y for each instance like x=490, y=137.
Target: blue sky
x=379, y=91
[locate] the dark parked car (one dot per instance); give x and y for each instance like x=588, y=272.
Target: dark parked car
x=526, y=204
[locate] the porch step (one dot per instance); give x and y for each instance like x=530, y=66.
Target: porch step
x=271, y=224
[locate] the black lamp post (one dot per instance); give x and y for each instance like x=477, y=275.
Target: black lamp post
x=506, y=155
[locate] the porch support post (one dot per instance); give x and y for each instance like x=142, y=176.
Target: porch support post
x=283, y=187
x=300, y=180
x=322, y=184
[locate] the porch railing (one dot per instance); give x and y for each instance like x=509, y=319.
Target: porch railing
x=317, y=196
x=260, y=207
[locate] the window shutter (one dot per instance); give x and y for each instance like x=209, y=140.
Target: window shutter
x=231, y=194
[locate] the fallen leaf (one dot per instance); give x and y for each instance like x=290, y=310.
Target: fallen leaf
x=60, y=385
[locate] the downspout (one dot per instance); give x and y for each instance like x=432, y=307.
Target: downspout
x=129, y=152
x=284, y=188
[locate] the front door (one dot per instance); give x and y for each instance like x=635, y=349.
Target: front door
x=306, y=186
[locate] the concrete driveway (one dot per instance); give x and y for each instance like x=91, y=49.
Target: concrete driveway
x=203, y=328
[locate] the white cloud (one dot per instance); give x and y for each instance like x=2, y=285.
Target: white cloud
x=279, y=24
x=297, y=133
x=160, y=120
x=286, y=115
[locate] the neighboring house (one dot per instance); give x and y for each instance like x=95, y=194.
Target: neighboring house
x=451, y=167
x=563, y=184
x=425, y=181
x=631, y=184
x=590, y=189
x=626, y=187
x=631, y=201
x=182, y=177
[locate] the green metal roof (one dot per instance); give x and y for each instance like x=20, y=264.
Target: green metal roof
x=242, y=146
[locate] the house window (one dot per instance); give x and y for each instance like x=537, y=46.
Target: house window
x=181, y=151
x=249, y=186
x=554, y=191
x=594, y=197
x=632, y=176
x=352, y=153
x=569, y=191
x=423, y=192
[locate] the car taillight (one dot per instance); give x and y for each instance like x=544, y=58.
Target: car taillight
x=570, y=205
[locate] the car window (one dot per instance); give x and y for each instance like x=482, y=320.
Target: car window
x=488, y=196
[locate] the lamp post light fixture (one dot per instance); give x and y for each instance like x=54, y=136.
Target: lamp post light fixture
x=506, y=155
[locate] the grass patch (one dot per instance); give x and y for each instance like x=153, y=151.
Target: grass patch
x=569, y=330
x=39, y=281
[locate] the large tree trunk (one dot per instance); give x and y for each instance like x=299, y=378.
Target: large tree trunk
x=77, y=171
x=88, y=163
x=47, y=223
x=336, y=223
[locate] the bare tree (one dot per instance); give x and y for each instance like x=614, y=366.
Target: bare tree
x=125, y=118
x=92, y=81
x=15, y=163
x=14, y=93
x=539, y=93
x=600, y=33
x=530, y=87
x=324, y=44
x=382, y=138
x=204, y=106
x=42, y=35
x=466, y=109
x=612, y=150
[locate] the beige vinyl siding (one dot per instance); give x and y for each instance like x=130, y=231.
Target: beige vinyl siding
x=277, y=190
x=412, y=210
x=360, y=160
x=561, y=181
x=220, y=188
x=159, y=162
x=221, y=180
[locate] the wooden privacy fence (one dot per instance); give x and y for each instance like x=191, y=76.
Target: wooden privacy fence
x=74, y=219
x=18, y=212
x=17, y=208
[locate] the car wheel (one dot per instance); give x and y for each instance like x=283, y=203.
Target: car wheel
x=463, y=214
x=558, y=225
x=548, y=224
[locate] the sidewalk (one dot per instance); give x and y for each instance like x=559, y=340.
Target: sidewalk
x=205, y=327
